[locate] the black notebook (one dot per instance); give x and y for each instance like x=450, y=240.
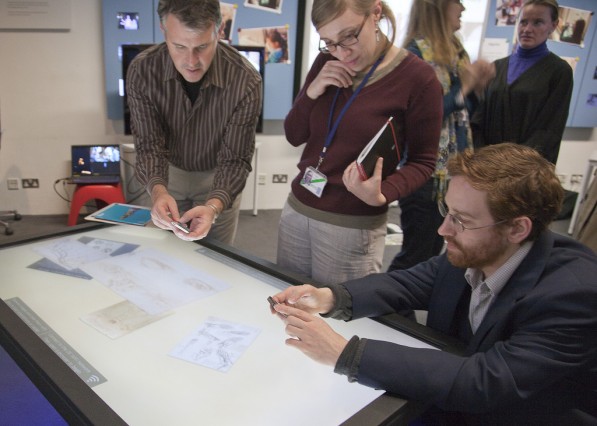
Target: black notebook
x=384, y=144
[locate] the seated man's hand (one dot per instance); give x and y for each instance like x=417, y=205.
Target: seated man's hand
x=313, y=336
x=305, y=297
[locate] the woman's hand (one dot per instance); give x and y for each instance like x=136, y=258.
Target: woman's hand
x=476, y=76
x=333, y=73
x=368, y=191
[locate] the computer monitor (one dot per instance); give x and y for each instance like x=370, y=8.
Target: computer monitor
x=256, y=56
x=129, y=51
x=95, y=160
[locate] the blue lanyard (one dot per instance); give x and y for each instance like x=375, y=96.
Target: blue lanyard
x=334, y=128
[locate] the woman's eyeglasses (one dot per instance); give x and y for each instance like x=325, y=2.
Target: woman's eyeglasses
x=347, y=41
x=456, y=223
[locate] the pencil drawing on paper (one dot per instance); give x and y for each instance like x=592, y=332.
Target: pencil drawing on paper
x=119, y=319
x=71, y=254
x=216, y=344
x=154, y=281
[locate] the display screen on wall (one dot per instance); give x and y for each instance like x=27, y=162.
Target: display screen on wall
x=128, y=20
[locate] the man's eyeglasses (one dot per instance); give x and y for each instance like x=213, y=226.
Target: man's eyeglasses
x=349, y=40
x=456, y=223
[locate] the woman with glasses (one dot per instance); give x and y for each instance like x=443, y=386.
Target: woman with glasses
x=431, y=35
x=528, y=101
x=333, y=225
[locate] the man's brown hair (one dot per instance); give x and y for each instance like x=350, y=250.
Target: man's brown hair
x=518, y=182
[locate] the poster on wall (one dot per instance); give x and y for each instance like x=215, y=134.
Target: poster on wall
x=35, y=15
x=273, y=39
x=573, y=26
x=228, y=11
x=265, y=5
x=572, y=61
x=507, y=12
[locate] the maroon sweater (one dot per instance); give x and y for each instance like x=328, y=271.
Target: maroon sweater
x=410, y=93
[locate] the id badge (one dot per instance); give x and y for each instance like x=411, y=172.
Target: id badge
x=314, y=181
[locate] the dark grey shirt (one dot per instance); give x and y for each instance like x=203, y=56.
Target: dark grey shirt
x=216, y=132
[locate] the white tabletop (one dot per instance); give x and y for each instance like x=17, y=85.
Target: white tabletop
x=270, y=384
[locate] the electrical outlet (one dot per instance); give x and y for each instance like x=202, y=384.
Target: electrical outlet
x=563, y=178
x=30, y=183
x=279, y=178
x=261, y=178
x=574, y=179
x=13, y=183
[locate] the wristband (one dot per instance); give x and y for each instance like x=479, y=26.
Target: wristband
x=215, y=209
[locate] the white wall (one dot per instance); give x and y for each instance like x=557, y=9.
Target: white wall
x=52, y=97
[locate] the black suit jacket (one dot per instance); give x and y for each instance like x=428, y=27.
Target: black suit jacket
x=533, y=359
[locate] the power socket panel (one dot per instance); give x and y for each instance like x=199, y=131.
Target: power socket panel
x=575, y=179
x=279, y=178
x=30, y=183
x=13, y=183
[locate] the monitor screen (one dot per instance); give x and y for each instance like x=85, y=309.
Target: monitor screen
x=95, y=159
x=128, y=20
x=256, y=56
x=128, y=52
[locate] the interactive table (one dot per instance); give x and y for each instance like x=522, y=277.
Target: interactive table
x=131, y=325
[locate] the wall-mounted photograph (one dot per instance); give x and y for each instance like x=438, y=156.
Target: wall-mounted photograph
x=573, y=26
x=266, y=5
x=228, y=11
x=273, y=39
x=507, y=12
x=572, y=61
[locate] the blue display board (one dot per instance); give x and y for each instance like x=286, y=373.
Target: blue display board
x=281, y=78
x=583, y=106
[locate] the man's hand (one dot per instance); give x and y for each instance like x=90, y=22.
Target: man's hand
x=201, y=219
x=164, y=209
x=305, y=297
x=312, y=336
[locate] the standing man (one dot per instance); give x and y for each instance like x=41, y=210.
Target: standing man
x=522, y=299
x=194, y=107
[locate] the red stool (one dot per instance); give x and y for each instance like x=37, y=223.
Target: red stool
x=108, y=194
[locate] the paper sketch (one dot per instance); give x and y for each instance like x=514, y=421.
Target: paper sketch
x=120, y=319
x=154, y=281
x=216, y=344
x=70, y=254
